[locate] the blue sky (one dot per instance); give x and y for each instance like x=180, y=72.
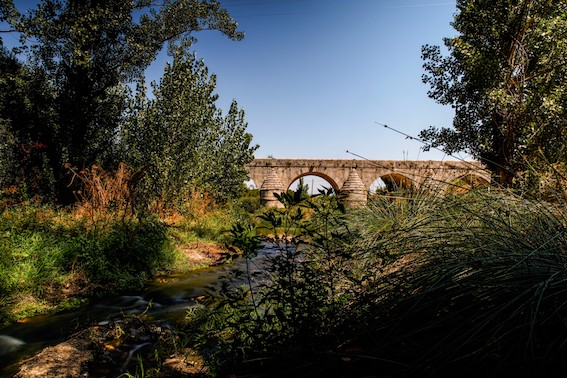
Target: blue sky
x=315, y=75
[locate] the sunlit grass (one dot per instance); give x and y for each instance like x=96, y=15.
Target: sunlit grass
x=55, y=258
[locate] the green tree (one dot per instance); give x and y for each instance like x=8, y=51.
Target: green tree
x=26, y=124
x=302, y=189
x=181, y=139
x=88, y=50
x=228, y=148
x=505, y=77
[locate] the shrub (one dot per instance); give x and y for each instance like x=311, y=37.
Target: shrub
x=123, y=254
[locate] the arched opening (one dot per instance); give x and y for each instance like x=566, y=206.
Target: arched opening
x=378, y=186
x=250, y=184
x=466, y=183
x=313, y=184
x=389, y=184
x=393, y=182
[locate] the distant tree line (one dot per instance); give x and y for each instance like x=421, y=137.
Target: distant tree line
x=67, y=100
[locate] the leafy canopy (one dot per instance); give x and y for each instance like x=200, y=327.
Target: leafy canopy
x=182, y=140
x=505, y=77
x=86, y=52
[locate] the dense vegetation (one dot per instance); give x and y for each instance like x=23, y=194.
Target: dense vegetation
x=101, y=185
x=95, y=174
x=51, y=260
x=54, y=259
x=505, y=77
x=66, y=103
x=430, y=285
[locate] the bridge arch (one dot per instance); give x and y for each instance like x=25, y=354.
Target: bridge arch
x=466, y=183
x=396, y=181
x=250, y=184
x=317, y=174
x=391, y=182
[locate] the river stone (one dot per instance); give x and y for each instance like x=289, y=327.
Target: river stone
x=66, y=360
x=185, y=363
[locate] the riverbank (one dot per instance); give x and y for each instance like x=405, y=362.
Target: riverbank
x=136, y=332
x=423, y=285
x=109, y=349
x=58, y=259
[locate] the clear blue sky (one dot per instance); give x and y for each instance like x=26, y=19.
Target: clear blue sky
x=315, y=75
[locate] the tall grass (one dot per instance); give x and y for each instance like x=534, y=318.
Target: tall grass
x=480, y=285
x=422, y=285
x=51, y=259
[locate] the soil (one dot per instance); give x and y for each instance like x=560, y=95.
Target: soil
x=66, y=360
x=111, y=349
x=200, y=253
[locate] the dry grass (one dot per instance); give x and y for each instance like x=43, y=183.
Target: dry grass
x=105, y=194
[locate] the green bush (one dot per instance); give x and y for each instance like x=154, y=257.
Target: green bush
x=249, y=201
x=291, y=305
x=123, y=254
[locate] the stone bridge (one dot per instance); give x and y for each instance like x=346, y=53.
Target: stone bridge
x=354, y=177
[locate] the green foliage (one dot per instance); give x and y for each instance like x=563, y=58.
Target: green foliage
x=295, y=303
x=123, y=255
x=504, y=77
x=25, y=126
x=83, y=54
x=44, y=254
x=302, y=188
x=244, y=238
x=478, y=277
x=427, y=285
x=182, y=141
x=249, y=201
x=211, y=226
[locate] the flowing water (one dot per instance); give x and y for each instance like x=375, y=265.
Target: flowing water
x=166, y=299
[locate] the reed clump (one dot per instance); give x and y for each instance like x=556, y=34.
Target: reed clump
x=425, y=284
x=482, y=287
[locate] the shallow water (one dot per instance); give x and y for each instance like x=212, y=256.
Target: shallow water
x=166, y=298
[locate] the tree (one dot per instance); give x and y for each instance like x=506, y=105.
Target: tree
x=505, y=77
x=302, y=188
x=88, y=50
x=231, y=151
x=180, y=138
x=26, y=124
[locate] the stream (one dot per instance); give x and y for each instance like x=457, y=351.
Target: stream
x=165, y=299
